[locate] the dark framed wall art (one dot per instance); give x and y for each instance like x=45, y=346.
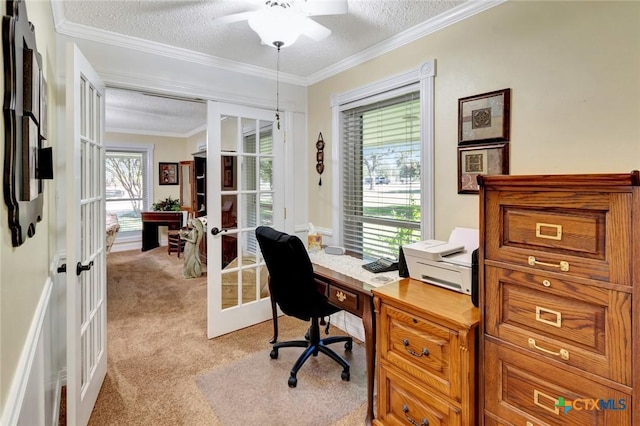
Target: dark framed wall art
x=484, y=118
x=168, y=174
x=26, y=161
x=474, y=160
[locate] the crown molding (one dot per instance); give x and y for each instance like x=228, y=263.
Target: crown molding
x=71, y=29
x=457, y=14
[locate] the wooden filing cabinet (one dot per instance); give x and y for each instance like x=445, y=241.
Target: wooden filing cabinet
x=559, y=299
x=425, y=355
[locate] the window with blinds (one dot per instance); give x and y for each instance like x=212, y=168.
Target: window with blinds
x=127, y=186
x=381, y=153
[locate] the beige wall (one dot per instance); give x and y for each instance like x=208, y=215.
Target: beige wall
x=574, y=71
x=24, y=270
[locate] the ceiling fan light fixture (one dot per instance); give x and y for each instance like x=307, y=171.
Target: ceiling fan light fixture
x=277, y=24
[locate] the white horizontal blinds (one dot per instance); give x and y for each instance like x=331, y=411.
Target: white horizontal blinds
x=381, y=175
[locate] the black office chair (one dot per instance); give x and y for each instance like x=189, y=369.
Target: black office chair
x=294, y=289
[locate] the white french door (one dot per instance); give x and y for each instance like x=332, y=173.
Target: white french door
x=245, y=189
x=85, y=235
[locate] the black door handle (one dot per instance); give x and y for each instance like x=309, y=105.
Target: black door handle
x=80, y=267
x=216, y=231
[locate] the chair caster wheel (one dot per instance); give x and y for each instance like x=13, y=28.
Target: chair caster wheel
x=348, y=346
x=345, y=376
x=274, y=354
x=293, y=382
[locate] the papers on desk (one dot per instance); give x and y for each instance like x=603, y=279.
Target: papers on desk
x=352, y=267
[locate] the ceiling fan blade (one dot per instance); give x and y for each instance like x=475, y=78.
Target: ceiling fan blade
x=323, y=7
x=314, y=30
x=236, y=17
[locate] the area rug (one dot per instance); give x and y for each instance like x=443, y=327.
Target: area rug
x=254, y=389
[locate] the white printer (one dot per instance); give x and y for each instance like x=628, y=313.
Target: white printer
x=443, y=263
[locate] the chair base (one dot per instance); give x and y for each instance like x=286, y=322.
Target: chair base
x=315, y=345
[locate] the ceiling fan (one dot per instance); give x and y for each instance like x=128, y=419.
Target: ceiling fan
x=280, y=22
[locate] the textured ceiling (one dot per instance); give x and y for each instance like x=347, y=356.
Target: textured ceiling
x=191, y=26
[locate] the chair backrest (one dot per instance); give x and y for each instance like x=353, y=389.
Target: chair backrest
x=293, y=286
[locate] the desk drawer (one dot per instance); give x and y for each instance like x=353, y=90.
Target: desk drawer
x=422, y=348
x=520, y=389
x=403, y=402
x=575, y=324
x=344, y=299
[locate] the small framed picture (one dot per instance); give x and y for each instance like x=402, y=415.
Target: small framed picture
x=484, y=118
x=480, y=160
x=168, y=174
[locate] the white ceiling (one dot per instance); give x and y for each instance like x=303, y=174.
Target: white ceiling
x=375, y=26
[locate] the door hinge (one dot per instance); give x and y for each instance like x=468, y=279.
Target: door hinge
x=285, y=213
x=62, y=268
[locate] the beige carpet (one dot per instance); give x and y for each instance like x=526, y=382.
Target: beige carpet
x=255, y=390
x=157, y=347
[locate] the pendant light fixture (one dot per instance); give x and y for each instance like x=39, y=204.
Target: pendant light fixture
x=277, y=23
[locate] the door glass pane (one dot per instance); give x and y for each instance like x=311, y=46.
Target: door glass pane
x=266, y=174
x=249, y=173
x=266, y=209
x=229, y=215
x=252, y=284
x=228, y=173
x=229, y=250
x=266, y=137
x=249, y=131
x=249, y=210
x=229, y=134
x=229, y=288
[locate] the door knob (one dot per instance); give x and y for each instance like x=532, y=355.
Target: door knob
x=81, y=268
x=216, y=231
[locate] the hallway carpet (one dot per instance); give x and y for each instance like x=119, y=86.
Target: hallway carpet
x=157, y=347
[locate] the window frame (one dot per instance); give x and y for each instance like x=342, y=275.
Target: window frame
x=148, y=151
x=421, y=80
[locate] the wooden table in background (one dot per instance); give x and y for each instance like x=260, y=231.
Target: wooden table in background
x=150, y=223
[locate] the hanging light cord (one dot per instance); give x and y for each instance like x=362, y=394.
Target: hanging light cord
x=278, y=44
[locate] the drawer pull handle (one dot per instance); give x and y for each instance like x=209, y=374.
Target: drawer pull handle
x=536, y=401
x=556, y=228
x=562, y=353
x=564, y=266
x=425, y=351
x=405, y=410
x=341, y=296
x=558, y=315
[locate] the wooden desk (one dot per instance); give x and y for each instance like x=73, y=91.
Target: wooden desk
x=354, y=296
x=150, y=223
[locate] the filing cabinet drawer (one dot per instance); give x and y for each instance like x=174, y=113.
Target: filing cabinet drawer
x=519, y=389
x=403, y=402
x=343, y=299
x=420, y=347
x=567, y=232
x=578, y=325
